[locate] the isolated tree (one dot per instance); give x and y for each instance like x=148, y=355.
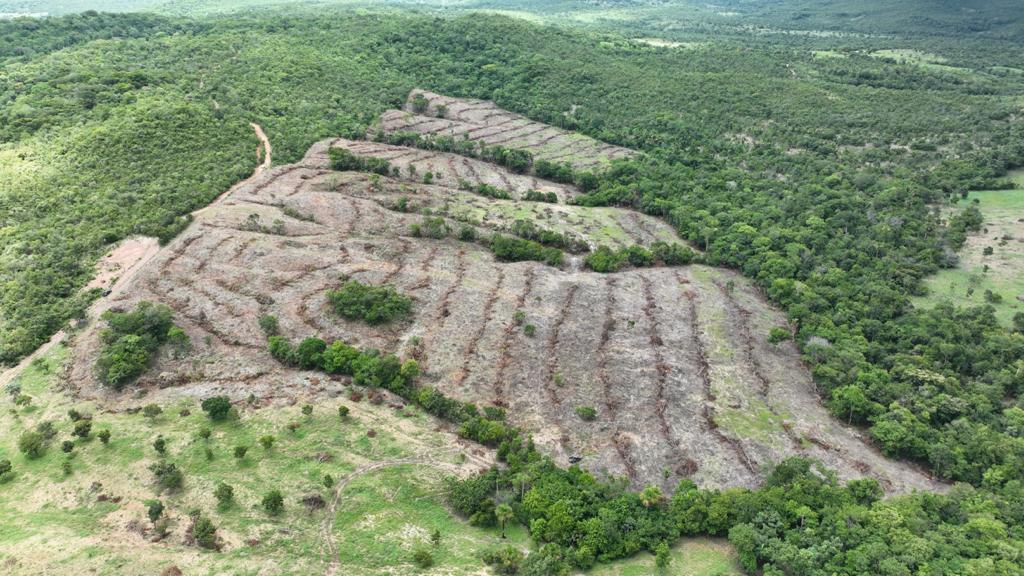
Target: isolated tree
x=224, y=493
x=167, y=475
x=32, y=444
x=160, y=445
x=217, y=407
x=504, y=513
x=343, y=412
x=273, y=502
x=154, y=509
x=204, y=532
x=328, y=481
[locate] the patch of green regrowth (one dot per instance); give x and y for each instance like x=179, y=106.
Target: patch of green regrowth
x=371, y=304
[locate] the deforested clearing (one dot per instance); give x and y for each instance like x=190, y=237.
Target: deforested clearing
x=485, y=123
x=673, y=361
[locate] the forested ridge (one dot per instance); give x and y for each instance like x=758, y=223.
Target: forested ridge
x=821, y=179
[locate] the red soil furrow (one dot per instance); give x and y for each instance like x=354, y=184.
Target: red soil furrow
x=479, y=127
x=413, y=124
x=505, y=183
x=210, y=253
x=553, y=344
x=303, y=182
x=610, y=404
x=241, y=249
x=704, y=371
x=443, y=310
x=473, y=174
x=460, y=274
x=185, y=244
x=303, y=312
x=406, y=249
x=451, y=129
x=548, y=139
x=636, y=227
x=511, y=134
x=655, y=341
x=622, y=448
x=284, y=172
x=499, y=113
x=474, y=341
x=459, y=110
x=753, y=361
x=357, y=215
x=506, y=345
x=578, y=147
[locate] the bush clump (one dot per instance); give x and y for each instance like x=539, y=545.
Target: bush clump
x=508, y=249
x=371, y=304
x=130, y=340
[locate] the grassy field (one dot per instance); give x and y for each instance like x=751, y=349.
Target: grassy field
x=384, y=510
x=93, y=519
x=1003, y=232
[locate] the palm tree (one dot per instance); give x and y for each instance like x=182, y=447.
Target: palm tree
x=503, y=513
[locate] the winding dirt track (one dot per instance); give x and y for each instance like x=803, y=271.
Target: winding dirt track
x=139, y=259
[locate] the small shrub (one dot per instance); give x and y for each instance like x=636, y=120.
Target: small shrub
x=154, y=509
x=586, y=413
x=104, y=436
x=778, y=334
x=307, y=410
x=151, y=411
x=267, y=441
x=67, y=446
x=273, y=502
x=6, y=470
x=240, y=452
x=269, y=325
x=204, y=532
x=328, y=481
x=343, y=412
x=82, y=428
x=519, y=317
x=530, y=330
x=467, y=233
x=22, y=400
x=217, y=407
x=204, y=433
x=422, y=558
x=225, y=494
x=160, y=445
x=167, y=475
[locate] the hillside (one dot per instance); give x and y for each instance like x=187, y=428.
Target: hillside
x=589, y=296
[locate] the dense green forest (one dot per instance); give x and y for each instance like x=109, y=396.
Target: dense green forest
x=821, y=178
